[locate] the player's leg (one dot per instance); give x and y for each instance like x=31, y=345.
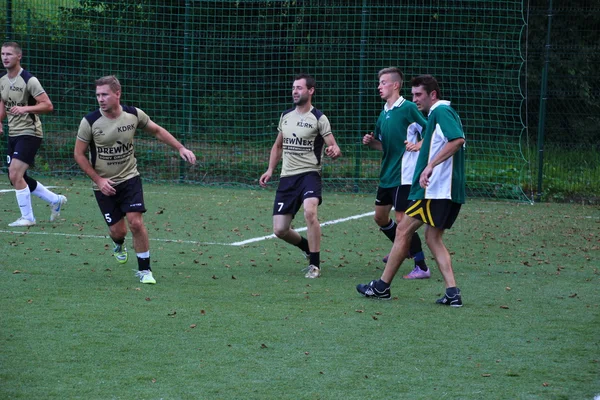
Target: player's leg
x=288, y=201
x=115, y=219
x=383, y=206
x=132, y=204
x=282, y=224
x=401, y=203
x=20, y=157
x=311, y=190
x=16, y=174
x=442, y=214
x=313, y=232
x=56, y=201
x=433, y=237
x=380, y=289
x=420, y=270
x=401, y=248
x=141, y=244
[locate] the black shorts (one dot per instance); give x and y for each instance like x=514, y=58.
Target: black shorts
x=292, y=191
x=396, y=196
x=23, y=148
x=439, y=213
x=129, y=198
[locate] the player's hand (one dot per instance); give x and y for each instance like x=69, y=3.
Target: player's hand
x=17, y=110
x=333, y=151
x=412, y=146
x=106, y=186
x=264, y=178
x=187, y=155
x=368, y=138
x=425, y=175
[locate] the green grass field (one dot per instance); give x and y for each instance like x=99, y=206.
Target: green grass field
x=239, y=321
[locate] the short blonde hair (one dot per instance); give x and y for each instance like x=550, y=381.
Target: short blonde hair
x=111, y=81
x=397, y=75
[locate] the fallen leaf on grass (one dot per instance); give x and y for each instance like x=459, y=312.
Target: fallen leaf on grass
x=16, y=271
x=545, y=384
x=504, y=307
x=148, y=299
x=573, y=295
x=202, y=312
x=360, y=311
x=263, y=346
x=192, y=326
x=172, y=313
x=486, y=375
x=214, y=277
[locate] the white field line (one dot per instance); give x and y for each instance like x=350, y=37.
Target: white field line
x=257, y=239
x=12, y=190
x=335, y=221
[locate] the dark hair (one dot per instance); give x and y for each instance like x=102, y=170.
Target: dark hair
x=14, y=45
x=111, y=81
x=395, y=72
x=310, y=81
x=428, y=82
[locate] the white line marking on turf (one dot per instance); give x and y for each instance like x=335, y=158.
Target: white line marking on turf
x=335, y=221
x=12, y=190
x=257, y=239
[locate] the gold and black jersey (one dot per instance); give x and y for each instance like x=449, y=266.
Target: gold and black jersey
x=303, y=141
x=21, y=91
x=111, y=150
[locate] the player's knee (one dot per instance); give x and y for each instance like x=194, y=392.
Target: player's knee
x=14, y=176
x=280, y=231
x=118, y=231
x=433, y=238
x=136, y=225
x=381, y=221
x=310, y=216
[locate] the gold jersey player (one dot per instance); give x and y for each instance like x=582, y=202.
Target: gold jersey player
x=22, y=99
x=303, y=132
x=107, y=135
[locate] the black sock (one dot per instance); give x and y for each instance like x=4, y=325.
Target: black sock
x=303, y=245
x=389, y=230
x=415, y=245
x=315, y=259
x=144, y=264
x=452, y=291
x=32, y=183
x=118, y=241
x=381, y=285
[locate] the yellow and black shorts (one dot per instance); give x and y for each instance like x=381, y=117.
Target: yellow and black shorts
x=439, y=213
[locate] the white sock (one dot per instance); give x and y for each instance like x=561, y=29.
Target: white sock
x=145, y=254
x=24, y=201
x=43, y=193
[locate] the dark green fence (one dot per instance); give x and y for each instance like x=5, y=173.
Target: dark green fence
x=217, y=74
